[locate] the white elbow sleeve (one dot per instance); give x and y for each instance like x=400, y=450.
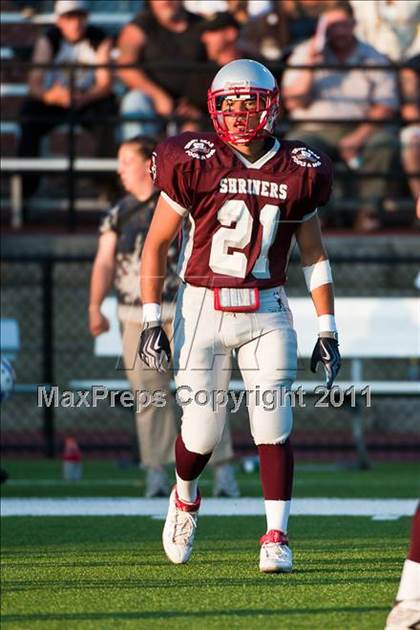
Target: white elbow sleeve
x=318, y=274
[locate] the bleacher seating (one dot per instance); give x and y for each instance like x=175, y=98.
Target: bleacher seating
x=17, y=28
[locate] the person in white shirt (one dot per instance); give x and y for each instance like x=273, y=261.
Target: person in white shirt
x=326, y=106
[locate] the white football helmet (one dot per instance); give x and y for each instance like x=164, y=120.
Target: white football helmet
x=244, y=79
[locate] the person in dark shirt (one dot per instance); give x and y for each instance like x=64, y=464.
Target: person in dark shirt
x=219, y=35
x=122, y=233
x=273, y=34
x=164, y=33
x=70, y=41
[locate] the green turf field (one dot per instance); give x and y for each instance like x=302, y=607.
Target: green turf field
x=42, y=478
x=110, y=572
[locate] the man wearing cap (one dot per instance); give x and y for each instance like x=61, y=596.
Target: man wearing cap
x=70, y=41
x=219, y=35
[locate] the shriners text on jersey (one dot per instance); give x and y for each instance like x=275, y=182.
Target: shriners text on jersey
x=240, y=216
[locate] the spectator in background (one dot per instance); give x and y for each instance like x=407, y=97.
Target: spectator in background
x=391, y=26
x=219, y=35
x=410, y=135
x=302, y=17
x=70, y=41
x=313, y=96
x=164, y=33
x=122, y=234
x=273, y=34
x=266, y=35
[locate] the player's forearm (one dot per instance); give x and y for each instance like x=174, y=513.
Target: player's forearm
x=323, y=299
x=100, y=283
x=152, y=274
x=320, y=285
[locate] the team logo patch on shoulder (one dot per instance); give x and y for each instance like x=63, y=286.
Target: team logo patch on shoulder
x=200, y=149
x=305, y=157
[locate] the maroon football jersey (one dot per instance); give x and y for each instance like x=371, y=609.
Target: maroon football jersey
x=240, y=217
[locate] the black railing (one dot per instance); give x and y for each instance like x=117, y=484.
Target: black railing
x=277, y=69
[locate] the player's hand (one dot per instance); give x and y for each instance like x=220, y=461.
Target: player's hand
x=154, y=347
x=326, y=352
x=98, y=323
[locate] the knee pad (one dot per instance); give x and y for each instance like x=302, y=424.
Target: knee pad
x=201, y=431
x=272, y=426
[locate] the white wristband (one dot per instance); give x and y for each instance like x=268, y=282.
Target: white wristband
x=151, y=312
x=318, y=274
x=326, y=323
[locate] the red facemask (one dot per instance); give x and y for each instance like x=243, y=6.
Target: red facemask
x=266, y=108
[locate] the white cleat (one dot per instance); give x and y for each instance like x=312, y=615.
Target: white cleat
x=179, y=530
x=404, y=616
x=275, y=554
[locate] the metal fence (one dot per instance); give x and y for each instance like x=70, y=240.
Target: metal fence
x=344, y=174
x=48, y=296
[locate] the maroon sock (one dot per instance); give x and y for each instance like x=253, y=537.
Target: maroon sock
x=414, y=551
x=276, y=471
x=188, y=465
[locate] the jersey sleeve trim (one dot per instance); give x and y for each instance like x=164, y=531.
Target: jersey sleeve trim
x=174, y=205
x=308, y=216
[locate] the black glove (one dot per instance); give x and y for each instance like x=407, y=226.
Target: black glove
x=326, y=352
x=154, y=347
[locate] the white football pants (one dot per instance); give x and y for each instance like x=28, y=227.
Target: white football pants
x=266, y=350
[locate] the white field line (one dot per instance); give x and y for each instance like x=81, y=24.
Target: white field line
x=127, y=506
x=82, y=482
x=137, y=481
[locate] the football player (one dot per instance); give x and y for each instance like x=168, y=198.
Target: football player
x=240, y=196
x=406, y=611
